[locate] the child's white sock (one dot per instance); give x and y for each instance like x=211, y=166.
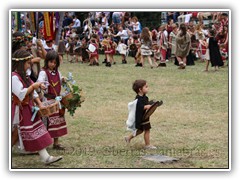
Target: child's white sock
x=44, y=154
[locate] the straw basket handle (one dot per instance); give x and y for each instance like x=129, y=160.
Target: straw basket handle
x=57, y=98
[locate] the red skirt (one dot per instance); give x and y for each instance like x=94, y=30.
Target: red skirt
x=93, y=55
x=56, y=125
x=113, y=52
x=34, y=134
x=108, y=51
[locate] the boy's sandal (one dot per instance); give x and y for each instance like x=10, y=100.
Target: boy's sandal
x=150, y=147
x=58, y=147
x=127, y=140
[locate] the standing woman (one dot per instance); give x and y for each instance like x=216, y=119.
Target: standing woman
x=146, y=45
x=104, y=21
x=183, y=44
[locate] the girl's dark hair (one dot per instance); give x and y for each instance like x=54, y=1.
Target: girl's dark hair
x=170, y=19
x=135, y=37
x=104, y=30
x=212, y=32
x=18, y=66
x=138, y=84
x=105, y=36
x=183, y=29
x=51, y=55
x=145, y=34
x=94, y=36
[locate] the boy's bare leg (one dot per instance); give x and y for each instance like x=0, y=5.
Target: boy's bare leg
x=147, y=137
x=129, y=138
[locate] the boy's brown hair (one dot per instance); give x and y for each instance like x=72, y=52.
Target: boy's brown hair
x=138, y=84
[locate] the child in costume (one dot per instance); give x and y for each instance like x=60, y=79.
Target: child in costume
x=28, y=128
x=61, y=49
x=70, y=49
x=93, y=55
x=122, y=49
x=146, y=44
x=157, y=54
x=163, y=46
x=141, y=105
x=56, y=123
x=214, y=52
x=78, y=49
x=108, y=51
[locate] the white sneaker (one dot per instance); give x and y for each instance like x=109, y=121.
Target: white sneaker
x=52, y=159
x=150, y=147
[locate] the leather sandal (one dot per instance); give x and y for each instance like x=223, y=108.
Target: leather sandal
x=58, y=147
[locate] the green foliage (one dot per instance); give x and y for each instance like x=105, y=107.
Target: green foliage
x=76, y=100
x=75, y=89
x=73, y=104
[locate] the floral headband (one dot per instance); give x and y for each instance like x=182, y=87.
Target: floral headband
x=22, y=39
x=22, y=59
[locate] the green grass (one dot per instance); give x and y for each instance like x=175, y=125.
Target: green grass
x=191, y=125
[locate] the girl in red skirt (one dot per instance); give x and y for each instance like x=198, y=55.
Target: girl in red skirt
x=32, y=134
x=56, y=124
x=93, y=52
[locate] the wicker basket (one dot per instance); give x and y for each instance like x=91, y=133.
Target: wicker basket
x=48, y=108
x=65, y=99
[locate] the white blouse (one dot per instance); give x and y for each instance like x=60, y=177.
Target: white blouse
x=42, y=77
x=20, y=92
x=136, y=26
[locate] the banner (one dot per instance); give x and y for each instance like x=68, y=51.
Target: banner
x=59, y=20
x=32, y=22
x=47, y=29
x=19, y=22
x=14, y=21
x=37, y=24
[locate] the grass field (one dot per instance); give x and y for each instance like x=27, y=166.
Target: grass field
x=191, y=125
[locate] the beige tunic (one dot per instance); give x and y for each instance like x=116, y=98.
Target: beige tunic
x=183, y=44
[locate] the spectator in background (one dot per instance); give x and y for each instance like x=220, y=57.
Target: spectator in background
x=123, y=34
x=181, y=18
x=68, y=21
x=104, y=20
x=175, y=16
x=169, y=16
x=92, y=16
x=77, y=22
x=126, y=20
x=136, y=25
x=116, y=18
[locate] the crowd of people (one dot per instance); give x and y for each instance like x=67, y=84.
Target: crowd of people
x=112, y=33
x=182, y=39
x=124, y=34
